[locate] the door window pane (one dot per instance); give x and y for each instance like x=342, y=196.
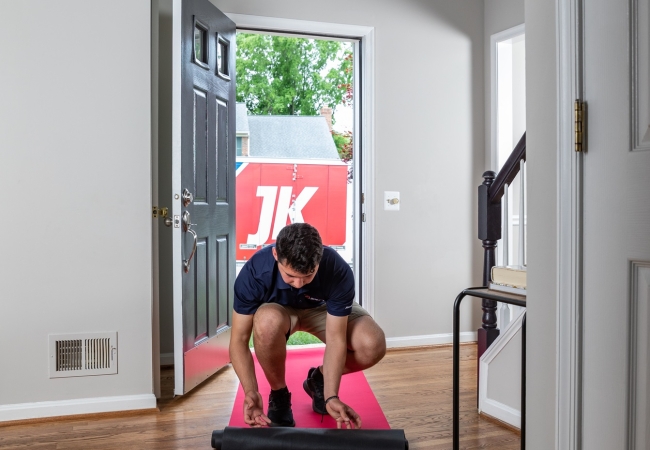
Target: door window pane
x=198, y=43
x=200, y=49
x=223, y=47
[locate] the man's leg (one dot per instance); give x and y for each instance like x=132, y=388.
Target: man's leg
x=366, y=344
x=271, y=324
x=365, y=339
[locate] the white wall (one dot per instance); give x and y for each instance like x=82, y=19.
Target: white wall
x=75, y=163
x=429, y=134
x=504, y=382
x=542, y=166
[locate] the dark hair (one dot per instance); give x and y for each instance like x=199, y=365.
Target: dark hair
x=299, y=246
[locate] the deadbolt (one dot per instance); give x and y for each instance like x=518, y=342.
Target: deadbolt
x=187, y=197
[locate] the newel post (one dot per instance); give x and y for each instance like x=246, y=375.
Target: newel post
x=489, y=232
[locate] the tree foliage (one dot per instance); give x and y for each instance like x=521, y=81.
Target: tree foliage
x=292, y=76
x=343, y=142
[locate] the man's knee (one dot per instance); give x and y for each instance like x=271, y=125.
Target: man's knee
x=270, y=321
x=369, y=343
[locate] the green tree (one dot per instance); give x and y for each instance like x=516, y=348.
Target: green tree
x=343, y=142
x=292, y=76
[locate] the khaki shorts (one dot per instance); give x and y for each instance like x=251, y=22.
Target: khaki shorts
x=312, y=320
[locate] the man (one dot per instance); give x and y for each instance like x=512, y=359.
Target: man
x=299, y=285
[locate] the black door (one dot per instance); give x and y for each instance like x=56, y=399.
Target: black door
x=208, y=188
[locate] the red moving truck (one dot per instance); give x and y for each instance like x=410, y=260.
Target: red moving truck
x=272, y=193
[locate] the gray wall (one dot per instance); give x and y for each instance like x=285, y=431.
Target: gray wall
x=542, y=166
x=429, y=146
x=75, y=164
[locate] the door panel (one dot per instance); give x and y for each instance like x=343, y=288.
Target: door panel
x=200, y=147
x=207, y=160
x=223, y=167
x=616, y=228
x=222, y=288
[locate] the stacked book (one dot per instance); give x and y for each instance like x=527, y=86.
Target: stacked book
x=511, y=279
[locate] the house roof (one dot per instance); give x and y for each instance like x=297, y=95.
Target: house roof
x=242, y=119
x=304, y=137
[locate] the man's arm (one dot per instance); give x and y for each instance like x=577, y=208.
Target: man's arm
x=336, y=352
x=242, y=362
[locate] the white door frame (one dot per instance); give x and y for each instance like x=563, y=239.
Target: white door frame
x=365, y=47
x=569, y=203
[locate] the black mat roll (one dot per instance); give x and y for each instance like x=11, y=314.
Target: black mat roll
x=235, y=438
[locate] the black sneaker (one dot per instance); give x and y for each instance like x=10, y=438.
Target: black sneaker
x=280, y=409
x=314, y=387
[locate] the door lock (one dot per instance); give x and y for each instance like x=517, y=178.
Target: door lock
x=162, y=212
x=187, y=197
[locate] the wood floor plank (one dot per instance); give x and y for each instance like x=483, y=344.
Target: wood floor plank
x=413, y=386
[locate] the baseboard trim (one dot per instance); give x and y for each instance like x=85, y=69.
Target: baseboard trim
x=429, y=339
x=167, y=359
x=499, y=422
x=38, y=410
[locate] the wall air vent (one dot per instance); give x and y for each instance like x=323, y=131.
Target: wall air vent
x=78, y=355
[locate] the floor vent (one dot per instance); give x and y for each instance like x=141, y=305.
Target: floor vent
x=78, y=355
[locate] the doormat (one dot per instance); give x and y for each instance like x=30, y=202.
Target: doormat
x=354, y=391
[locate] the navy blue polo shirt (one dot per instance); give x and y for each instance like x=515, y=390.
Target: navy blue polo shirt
x=260, y=282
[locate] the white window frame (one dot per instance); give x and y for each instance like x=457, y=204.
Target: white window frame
x=495, y=39
x=363, y=141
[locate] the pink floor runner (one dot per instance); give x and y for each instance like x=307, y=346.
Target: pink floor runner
x=354, y=391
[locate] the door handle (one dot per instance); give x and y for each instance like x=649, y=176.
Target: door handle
x=187, y=227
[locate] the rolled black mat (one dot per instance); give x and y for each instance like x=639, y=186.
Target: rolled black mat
x=234, y=438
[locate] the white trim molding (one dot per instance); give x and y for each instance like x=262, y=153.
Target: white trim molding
x=23, y=411
x=489, y=405
x=568, y=411
x=638, y=356
x=365, y=75
x=429, y=339
x=167, y=359
x=177, y=253
x=278, y=25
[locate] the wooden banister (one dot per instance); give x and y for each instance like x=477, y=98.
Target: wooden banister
x=509, y=170
x=490, y=193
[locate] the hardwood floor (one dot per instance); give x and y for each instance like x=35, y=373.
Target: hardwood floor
x=413, y=387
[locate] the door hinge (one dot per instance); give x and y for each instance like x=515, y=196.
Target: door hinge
x=579, y=110
x=363, y=217
x=363, y=198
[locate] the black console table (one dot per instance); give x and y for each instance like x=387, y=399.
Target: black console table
x=503, y=297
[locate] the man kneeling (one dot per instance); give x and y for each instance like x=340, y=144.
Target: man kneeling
x=299, y=285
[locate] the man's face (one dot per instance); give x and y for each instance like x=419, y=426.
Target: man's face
x=293, y=278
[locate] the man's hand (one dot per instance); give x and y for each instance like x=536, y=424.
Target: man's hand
x=343, y=414
x=254, y=410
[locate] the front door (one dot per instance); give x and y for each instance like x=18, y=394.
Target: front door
x=616, y=365
x=207, y=193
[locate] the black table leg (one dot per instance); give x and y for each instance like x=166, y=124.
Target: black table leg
x=523, y=383
x=456, y=373
x=456, y=369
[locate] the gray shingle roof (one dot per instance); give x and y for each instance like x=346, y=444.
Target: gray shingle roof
x=305, y=137
x=242, y=119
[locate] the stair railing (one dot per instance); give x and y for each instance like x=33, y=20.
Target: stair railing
x=490, y=226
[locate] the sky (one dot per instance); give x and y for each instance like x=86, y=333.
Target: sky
x=344, y=116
